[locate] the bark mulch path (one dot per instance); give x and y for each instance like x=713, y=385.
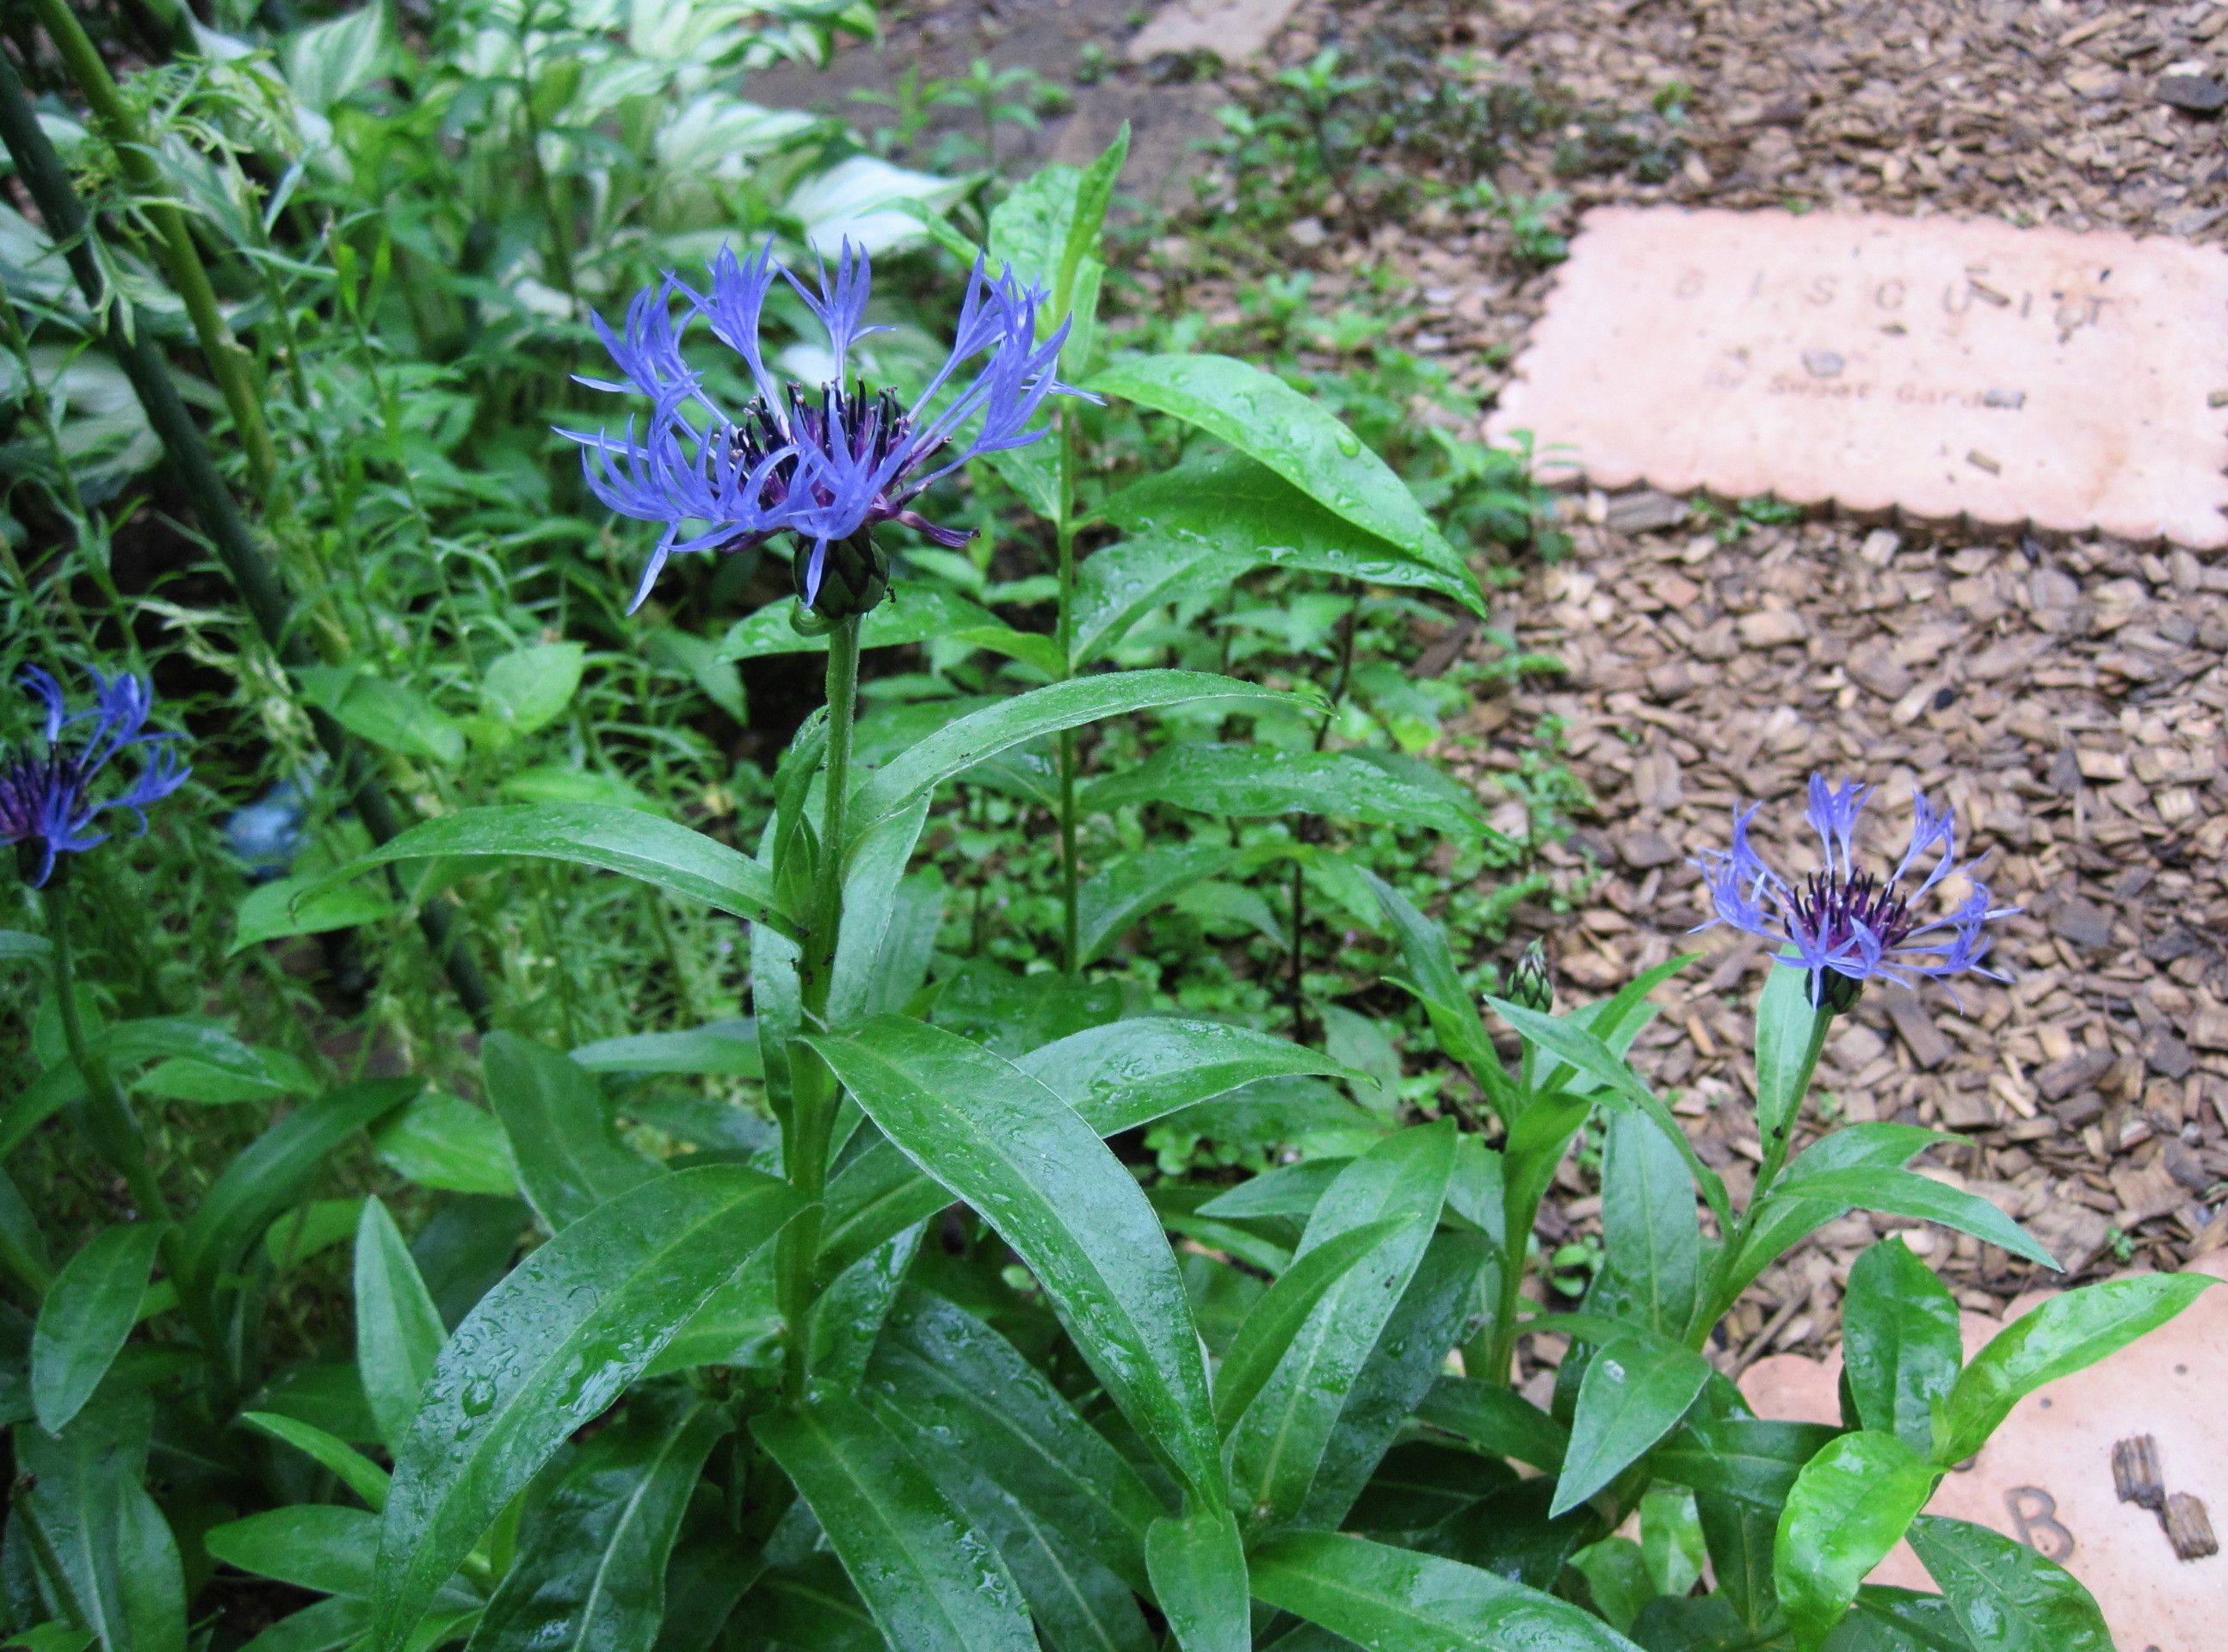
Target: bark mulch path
x=2067, y=694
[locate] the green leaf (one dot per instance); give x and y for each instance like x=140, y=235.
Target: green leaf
x=87, y=1316
x=929, y=1580
x=962, y=743
x=655, y=850
x=1789, y=1033
x=1094, y=193
x=1118, y=895
x=950, y=1377
x=1294, y=435
x=1120, y=584
x=397, y=1332
x=1278, y=1445
x=1753, y=1459
x=1131, y=1073
x=353, y=1469
x=1633, y=1393
x=386, y=713
x=1411, y=1354
x=1197, y=1567
x=590, y=1574
x=725, y=1047
x=1850, y=1506
x=1780, y=1221
x=912, y=613
x=16, y=947
x=856, y=985
x=2066, y=1334
x=1051, y=1188
x=103, y=1555
x=333, y=1624
x=1900, y=1348
x=312, y=1546
x=546, y=1350
x=2008, y=1598
x=1077, y=1601
x=528, y=688
x=1218, y=780
x=1272, y=1323
x=1385, y=1599
x=1588, y=1052
x=305, y=905
x=439, y=1141
x=699, y=659
x=569, y=1154
x=1496, y=1421
x=1651, y=1237
x=1616, y=1577
x=558, y=784
x=1905, y=1193
x=1288, y=1190
x=268, y=1177
x=1433, y=979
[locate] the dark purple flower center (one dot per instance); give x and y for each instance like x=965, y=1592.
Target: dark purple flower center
x=27, y=783
x=872, y=428
x=1832, y=909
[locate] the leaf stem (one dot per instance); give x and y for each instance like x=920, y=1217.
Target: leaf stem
x=813, y=1107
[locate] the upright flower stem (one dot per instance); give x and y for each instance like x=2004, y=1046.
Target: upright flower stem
x=110, y=1126
x=813, y=1095
x=1063, y=526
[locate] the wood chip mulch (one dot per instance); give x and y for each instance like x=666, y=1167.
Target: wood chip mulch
x=2068, y=696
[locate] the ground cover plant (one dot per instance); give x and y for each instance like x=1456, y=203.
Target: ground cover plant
x=744, y=1017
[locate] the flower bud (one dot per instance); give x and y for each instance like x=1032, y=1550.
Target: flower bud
x=1530, y=983
x=854, y=576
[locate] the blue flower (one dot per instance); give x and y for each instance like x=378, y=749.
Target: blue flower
x=1846, y=926
x=45, y=808
x=824, y=463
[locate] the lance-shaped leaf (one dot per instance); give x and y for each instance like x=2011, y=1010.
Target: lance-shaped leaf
x=1040, y=1176
x=1251, y=780
x=1432, y=977
x=102, y=1555
x=1260, y=415
x=1385, y=1599
x=929, y=1580
x=546, y=1350
x=960, y=744
x=1634, y=1391
x=1284, y=1309
x=398, y=1331
x=568, y=1151
x=1198, y=1565
x=657, y=851
x=1497, y=1421
x=85, y=1317
x=1131, y=1073
x=1278, y=1444
x=1901, y=1347
x=2006, y=1596
x=1906, y=1193
x=1850, y=1504
x=1118, y=895
x=1651, y=1239
x=2065, y=1334
x=947, y=1374
x=590, y=1572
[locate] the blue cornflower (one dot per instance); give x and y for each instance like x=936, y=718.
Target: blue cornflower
x=1846, y=926
x=826, y=464
x=45, y=811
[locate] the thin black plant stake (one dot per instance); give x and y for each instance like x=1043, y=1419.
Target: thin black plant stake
x=259, y=589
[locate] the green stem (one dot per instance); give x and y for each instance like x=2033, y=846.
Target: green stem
x=111, y=1127
x=234, y=373
x=1777, y=1142
x=1070, y=877
x=814, y=1093
x=1517, y=1218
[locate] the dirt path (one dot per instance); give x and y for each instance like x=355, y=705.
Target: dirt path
x=2069, y=695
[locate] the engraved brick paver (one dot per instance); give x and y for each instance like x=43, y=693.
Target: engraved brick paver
x=1948, y=367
